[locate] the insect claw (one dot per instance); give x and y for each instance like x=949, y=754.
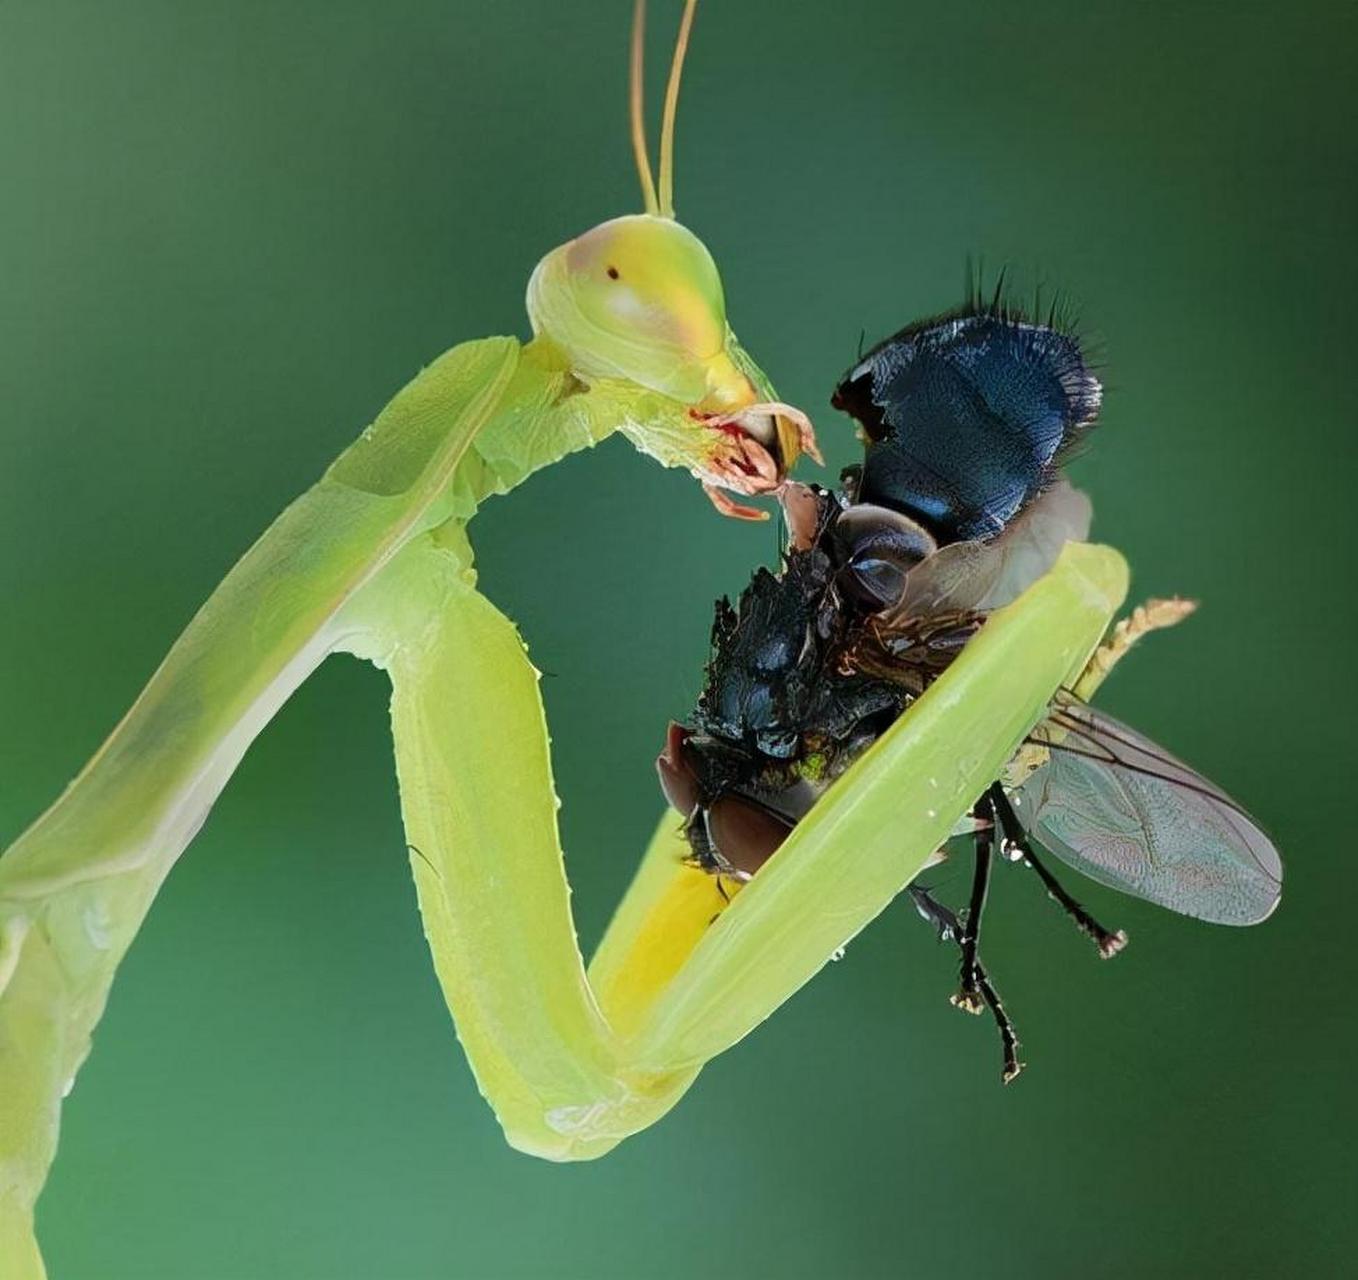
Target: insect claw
x=1111, y=943
x=967, y=1001
x=1011, y=1071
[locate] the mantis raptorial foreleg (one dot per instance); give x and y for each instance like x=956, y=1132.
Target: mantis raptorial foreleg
x=573, y=1064
x=570, y=1066
x=480, y=810
x=76, y=886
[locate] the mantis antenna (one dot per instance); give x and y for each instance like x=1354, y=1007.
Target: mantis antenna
x=636, y=106
x=663, y=205
x=671, y=106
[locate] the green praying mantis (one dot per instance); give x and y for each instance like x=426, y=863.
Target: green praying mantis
x=629, y=335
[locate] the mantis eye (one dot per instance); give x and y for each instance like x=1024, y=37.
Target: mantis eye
x=640, y=298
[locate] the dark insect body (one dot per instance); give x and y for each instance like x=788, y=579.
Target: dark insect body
x=972, y=414
x=958, y=506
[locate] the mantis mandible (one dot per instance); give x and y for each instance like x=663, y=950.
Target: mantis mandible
x=629, y=335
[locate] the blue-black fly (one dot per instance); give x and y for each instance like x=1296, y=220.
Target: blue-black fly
x=958, y=505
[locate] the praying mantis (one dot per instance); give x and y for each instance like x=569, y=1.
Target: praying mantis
x=629, y=335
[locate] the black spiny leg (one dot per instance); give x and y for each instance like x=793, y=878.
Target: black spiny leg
x=949, y=929
x=1008, y=1038
x=969, y=995
x=1015, y=839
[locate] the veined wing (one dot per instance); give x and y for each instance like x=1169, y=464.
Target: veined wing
x=1126, y=813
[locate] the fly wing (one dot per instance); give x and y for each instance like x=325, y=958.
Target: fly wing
x=1126, y=813
x=981, y=576
x=947, y=595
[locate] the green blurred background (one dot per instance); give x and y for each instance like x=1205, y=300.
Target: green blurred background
x=230, y=230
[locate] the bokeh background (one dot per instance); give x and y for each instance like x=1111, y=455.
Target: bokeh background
x=230, y=230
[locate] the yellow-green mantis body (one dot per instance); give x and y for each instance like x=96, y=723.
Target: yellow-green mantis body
x=630, y=335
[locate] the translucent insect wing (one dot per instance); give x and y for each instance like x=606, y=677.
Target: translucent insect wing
x=984, y=576
x=1127, y=814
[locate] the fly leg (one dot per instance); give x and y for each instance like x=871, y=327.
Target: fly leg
x=949, y=929
x=1014, y=843
x=969, y=996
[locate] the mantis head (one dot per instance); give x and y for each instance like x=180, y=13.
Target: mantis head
x=639, y=299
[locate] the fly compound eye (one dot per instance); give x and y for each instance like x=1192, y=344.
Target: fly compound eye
x=873, y=584
x=744, y=836
x=878, y=547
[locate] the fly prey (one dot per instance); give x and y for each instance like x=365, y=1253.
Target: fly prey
x=958, y=505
